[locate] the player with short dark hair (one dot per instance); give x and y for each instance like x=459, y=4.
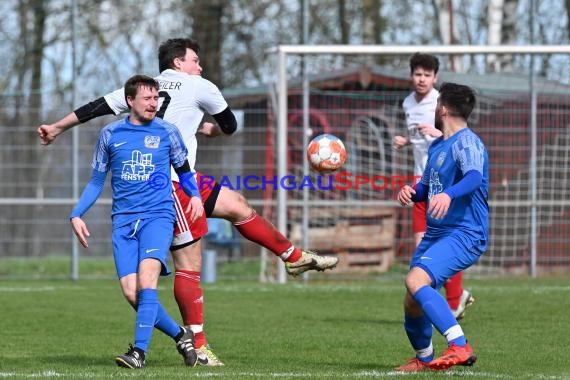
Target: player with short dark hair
x=137, y=150
x=185, y=97
x=427, y=61
x=419, y=107
x=455, y=185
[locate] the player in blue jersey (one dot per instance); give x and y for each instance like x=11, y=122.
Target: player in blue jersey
x=185, y=97
x=455, y=184
x=139, y=151
x=419, y=107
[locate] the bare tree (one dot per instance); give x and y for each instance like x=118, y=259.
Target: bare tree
x=567, y=7
x=343, y=22
x=36, y=56
x=448, y=29
x=373, y=23
x=17, y=136
x=248, y=37
x=501, y=31
x=207, y=26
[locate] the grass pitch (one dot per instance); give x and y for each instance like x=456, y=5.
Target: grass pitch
x=324, y=330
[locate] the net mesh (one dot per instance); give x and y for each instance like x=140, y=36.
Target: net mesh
x=362, y=106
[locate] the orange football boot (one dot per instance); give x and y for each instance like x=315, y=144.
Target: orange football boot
x=454, y=355
x=413, y=365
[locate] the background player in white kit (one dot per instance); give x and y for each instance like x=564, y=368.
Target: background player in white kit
x=185, y=97
x=419, y=107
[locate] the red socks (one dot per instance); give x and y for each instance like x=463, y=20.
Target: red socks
x=188, y=295
x=259, y=230
x=453, y=290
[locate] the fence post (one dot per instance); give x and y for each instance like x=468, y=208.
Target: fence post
x=209, y=257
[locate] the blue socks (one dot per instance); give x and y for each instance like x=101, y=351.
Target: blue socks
x=146, y=316
x=419, y=333
x=437, y=310
x=150, y=314
x=165, y=323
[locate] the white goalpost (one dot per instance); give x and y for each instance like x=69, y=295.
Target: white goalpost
x=525, y=208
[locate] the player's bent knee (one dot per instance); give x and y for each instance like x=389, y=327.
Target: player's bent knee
x=416, y=279
x=131, y=297
x=232, y=206
x=243, y=210
x=129, y=288
x=241, y=200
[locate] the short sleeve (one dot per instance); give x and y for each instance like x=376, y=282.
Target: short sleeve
x=469, y=153
x=210, y=98
x=178, y=151
x=117, y=101
x=101, y=158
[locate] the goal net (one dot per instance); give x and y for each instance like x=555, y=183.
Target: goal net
x=355, y=92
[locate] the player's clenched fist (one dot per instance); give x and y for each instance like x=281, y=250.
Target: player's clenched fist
x=46, y=133
x=405, y=195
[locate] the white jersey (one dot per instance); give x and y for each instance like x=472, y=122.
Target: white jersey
x=183, y=100
x=420, y=113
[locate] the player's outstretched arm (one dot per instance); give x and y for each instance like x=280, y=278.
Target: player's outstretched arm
x=48, y=132
x=91, y=110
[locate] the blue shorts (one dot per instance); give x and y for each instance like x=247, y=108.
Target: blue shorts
x=445, y=256
x=142, y=239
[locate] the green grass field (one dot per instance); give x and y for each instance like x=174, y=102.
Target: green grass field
x=323, y=330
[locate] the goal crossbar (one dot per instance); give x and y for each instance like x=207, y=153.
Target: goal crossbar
x=430, y=49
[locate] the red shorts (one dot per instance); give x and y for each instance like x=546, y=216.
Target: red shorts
x=186, y=232
x=419, y=217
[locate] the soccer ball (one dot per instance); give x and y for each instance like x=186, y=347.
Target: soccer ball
x=326, y=153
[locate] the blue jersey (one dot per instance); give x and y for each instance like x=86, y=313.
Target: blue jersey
x=448, y=161
x=139, y=158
